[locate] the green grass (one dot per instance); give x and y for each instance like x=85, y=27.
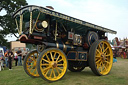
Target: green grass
x=117, y=76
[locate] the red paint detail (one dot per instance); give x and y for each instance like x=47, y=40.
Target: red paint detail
x=37, y=37
x=85, y=45
x=70, y=35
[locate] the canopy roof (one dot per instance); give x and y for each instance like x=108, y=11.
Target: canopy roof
x=77, y=23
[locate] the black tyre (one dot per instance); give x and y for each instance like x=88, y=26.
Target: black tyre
x=100, y=57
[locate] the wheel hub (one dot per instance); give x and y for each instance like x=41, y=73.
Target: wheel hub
x=103, y=57
x=54, y=64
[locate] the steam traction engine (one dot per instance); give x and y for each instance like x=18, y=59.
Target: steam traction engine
x=63, y=42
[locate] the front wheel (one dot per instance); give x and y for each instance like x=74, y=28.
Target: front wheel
x=30, y=64
x=100, y=57
x=52, y=64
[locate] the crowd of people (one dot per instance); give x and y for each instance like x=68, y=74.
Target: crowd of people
x=10, y=56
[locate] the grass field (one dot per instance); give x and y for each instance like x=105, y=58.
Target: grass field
x=117, y=76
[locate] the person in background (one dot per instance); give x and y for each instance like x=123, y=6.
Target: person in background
x=16, y=58
x=114, y=56
x=24, y=53
x=10, y=56
x=6, y=58
x=19, y=53
x=2, y=61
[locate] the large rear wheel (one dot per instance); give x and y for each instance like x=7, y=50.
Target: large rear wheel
x=100, y=57
x=30, y=62
x=52, y=64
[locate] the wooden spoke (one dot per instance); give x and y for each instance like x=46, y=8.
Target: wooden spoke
x=54, y=73
x=60, y=60
x=98, y=61
x=100, y=48
x=105, y=50
x=31, y=58
x=54, y=55
x=107, y=62
x=34, y=71
x=103, y=47
x=51, y=56
x=47, y=71
x=51, y=73
x=60, y=64
x=59, y=68
x=58, y=57
x=44, y=64
x=98, y=51
x=46, y=60
x=47, y=57
x=29, y=61
x=47, y=68
x=107, y=55
x=57, y=71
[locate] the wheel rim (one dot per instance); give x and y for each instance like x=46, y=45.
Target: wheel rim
x=104, y=58
x=53, y=65
x=31, y=64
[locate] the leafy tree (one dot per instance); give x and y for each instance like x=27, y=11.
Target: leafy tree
x=6, y=21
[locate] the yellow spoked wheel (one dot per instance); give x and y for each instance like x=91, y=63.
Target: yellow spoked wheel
x=52, y=64
x=100, y=57
x=30, y=62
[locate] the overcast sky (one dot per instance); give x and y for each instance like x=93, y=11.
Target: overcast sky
x=112, y=14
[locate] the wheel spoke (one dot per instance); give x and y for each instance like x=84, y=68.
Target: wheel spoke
x=103, y=47
x=34, y=71
x=98, y=51
x=100, y=48
x=45, y=69
x=46, y=60
x=101, y=67
x=29, y=66
x=105, y=67
x=51, y=73
x=107, y=55
x=59, y=68
x=47, y=72
x=98, y=57
x=59, y=60
x=44, y=64
x=31, y=58
x=105, y=50
x=47, y=57
x=107, y=62
x=58, y=57
x=54, y=55
x=98, y=61
x=29, y=61
x=60, y=64
x=54, y=73
x=51, y=56
x=97, y=66
x=57, y=71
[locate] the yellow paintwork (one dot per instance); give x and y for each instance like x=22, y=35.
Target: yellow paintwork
x=31, y=64
x=53, y=65
x=104, y=58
